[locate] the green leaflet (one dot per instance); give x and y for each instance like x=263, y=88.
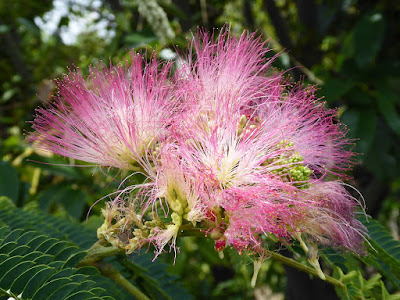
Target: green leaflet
x=32, y=271
x=357, y=287
x=41, y=252
x=384, y=251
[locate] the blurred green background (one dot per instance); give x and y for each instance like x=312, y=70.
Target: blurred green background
x=349, y=48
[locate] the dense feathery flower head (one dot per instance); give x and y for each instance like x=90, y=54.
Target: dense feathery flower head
x=330, y=219
x=218, y=78
x=229, y=146
x=108, y=118
x=311, y=128
x=259, y=210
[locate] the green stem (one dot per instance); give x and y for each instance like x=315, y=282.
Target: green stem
x=189, y=230
x=102, y=249
x=99, y=251
x=303, y=268
x=111, y=272
x=133, y=267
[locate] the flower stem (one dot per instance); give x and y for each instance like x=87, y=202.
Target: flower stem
x=100, y=250
x=111, y=272
x=189, y=230
x=303, y=268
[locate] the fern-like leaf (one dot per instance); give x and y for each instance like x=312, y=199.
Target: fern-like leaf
x=384, y=252
x=54, y=244
x=32, y=271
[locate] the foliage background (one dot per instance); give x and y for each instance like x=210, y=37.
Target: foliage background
x=349, y=47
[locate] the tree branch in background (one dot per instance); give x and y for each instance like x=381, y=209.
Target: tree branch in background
x=307, y=13
x=248, y=15
x=278, y=23
x=204, y=15
x=308, y=45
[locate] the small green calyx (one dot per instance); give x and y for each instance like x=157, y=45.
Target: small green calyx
x=293, y=169
x=300, y=173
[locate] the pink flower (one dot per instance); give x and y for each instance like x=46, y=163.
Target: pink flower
x=330, y=219
x=270, y=209
x=228, y=144
x=109, y=118
x=264, y=149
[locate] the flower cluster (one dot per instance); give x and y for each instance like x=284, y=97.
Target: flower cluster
x=230, y=147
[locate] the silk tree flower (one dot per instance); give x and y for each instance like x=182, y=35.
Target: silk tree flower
x=331, y=215
x=173, y=194
x=268, y=153
x=229, y=145
x=111, y=117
